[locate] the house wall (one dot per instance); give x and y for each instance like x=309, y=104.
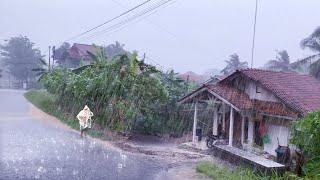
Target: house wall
x=276, y=131
x=264, y=94
x=250, y=87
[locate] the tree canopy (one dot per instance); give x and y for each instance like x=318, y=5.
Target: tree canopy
x=61, y=52
x=312, y=42
x=20, y=57
x=233, y=64
x=280, y=63
x=115, y=49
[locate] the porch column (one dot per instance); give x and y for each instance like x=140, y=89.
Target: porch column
x=223, y=118
x=250, y=131
x=231, y=127
x=215, y=121
x=242, y=130
x=195, y=122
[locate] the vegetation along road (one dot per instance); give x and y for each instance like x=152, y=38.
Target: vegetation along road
x=34, y=148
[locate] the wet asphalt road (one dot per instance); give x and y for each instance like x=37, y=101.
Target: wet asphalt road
x=31, y=148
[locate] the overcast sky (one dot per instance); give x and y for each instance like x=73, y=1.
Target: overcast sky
x=185, y=35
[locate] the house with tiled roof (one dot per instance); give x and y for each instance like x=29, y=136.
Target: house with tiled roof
x=253, y=108
x=79, y=54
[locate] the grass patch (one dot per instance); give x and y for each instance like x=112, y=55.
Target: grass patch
x=41, y=99
x=46, y=102
x=221, y=173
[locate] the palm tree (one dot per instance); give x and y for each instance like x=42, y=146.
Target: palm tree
x=312, y=42
x=281, y=63
x=42, y=70
x=233, y=64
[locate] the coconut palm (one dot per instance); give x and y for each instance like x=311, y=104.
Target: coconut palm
x=40, y=72
x=281, y=63
x=233, y=64
x=312, y=42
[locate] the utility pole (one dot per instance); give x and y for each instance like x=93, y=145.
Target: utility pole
x=254, y=33
x=49, y=65
x=53, y=55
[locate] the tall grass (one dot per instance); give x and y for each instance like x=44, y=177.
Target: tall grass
x=47, y=103
x=223, y=173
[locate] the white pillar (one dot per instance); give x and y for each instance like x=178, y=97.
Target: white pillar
x=195, y=122
x=231, y=127
x=250, y=132
x=242, y=130
x=215, y=121
x=223, y=118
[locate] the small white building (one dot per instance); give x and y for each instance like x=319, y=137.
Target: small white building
x=253, y=108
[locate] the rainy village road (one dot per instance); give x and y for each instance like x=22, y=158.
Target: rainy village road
x=31, y=148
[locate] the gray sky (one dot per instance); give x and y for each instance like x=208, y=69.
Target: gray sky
x=186, y=35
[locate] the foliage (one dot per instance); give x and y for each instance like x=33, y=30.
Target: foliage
x=46, y=102
x=115, y=49
x=306, y=136
x=61, y=52
x=281, y=63
x=124, y=93
x=20, y=56
x=41, y=71
x=312, y=42
x=233, y=64
x=215, y=172
x=315, y=69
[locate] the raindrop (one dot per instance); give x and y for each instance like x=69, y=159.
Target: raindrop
x=41, y=169
x=123, y=157
x=75, y=172
x=120, y=166
x=59, y=170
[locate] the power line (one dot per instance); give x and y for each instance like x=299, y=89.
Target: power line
x=254, y=33
x=132, y=18
x=108, y=21
x=157, y=26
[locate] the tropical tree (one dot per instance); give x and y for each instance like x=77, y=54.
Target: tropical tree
x=233, y=64
x=115, y=49
x=312, y=42
x=61, y=52
x=41, y=71
x=281, y=63
x=20, y=57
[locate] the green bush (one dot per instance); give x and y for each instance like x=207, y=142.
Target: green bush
x=125, y=95
x=306, y=136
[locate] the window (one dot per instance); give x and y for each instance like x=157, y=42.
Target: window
x=258, y=89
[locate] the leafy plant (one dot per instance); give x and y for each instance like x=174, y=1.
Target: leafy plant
x=125, y=93
x=306, y=136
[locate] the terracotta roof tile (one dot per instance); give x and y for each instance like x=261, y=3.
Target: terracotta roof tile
x=78, y=51
x=236, y=97
x=273, y=108
x=300, y=92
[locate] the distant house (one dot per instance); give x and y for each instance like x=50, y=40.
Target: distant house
x=253, y=108
x=193, y=77
x=79, y=54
